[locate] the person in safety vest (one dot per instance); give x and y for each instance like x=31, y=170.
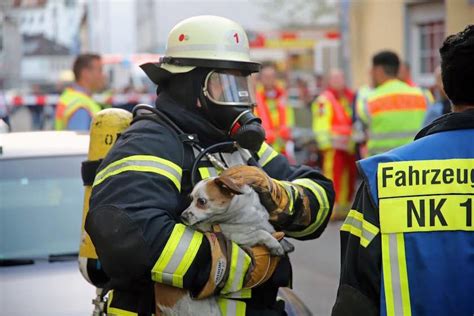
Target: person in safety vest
x=202, y=123
x=75, y=107
x=272, y=108
x=408, y=243
x=393, y=112
x=359, y=132
x=332, y=125
x=404, y=74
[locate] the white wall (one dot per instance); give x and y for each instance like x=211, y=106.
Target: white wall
x=44, y=68
x=112, y=26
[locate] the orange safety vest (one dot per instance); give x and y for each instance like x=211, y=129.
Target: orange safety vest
x=395, y=112
x=332, y=121
x=272, y=112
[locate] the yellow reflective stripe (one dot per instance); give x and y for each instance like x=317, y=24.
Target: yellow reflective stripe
x=204, y=172
x=291, y=196
x=75, y=100
x=402, y=267
x=322, y=111
x=113, y=311
x=140, y=158
x=71, y=108
x=207, y=172
x=230, y=307
x=387, y=275
x=320, y=195
x=266, y=154
x=142, y=163
x=239, y=265
x=357, y=226
x=177, y=256
x=397, y=294
x=243, y=293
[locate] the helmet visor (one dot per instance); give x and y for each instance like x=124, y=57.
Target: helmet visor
x=228, y=88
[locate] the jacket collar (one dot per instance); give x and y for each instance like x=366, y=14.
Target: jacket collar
x=449, y=122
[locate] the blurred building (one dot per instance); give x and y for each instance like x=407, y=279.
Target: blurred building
x=44, y=61
x=56, y=20
x=42, y=36
x=112, y=26
x=10, y=47
x=414, y=29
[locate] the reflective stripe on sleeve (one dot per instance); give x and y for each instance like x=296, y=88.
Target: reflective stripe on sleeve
x=320, y=195
x=243, y=293
x=395, y=277
x=230, y=307
x=357, y=226
x=292, y=194
x=142, y=163
x=177, y=256
x=239, y=265
x=266, y=154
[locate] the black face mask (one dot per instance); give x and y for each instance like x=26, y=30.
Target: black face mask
x=237, y=121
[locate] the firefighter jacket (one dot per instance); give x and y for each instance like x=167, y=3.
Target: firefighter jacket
x=139, y=192
x=393, y=113
x=332, y=120
x=408, y=243
x=71, y=100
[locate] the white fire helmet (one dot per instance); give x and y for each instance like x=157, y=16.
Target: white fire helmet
x=203, y=41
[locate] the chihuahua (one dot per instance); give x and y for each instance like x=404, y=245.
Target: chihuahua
x=236, y=209
x=242, y=219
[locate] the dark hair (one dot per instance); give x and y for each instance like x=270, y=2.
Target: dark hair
x=457, y=66
x=268, y=64
x=389, y=62
x=83, y=61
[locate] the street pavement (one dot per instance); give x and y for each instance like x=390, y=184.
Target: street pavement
x=316, y=265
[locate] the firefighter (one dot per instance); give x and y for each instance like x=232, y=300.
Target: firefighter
x=143, y=184
x=76, y=107
x=407, y=244
x=272, y=108
x=393, y=112
x=332, y=125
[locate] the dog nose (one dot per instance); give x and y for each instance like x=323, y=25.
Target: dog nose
x=185, y=216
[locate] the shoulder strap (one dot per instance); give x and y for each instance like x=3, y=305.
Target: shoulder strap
x=147, y=112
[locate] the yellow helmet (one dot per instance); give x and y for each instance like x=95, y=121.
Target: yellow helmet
x=203, y=41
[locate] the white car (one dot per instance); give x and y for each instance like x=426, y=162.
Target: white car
x=41, y=200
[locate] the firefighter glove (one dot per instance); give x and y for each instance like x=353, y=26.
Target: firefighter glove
x=277, y=196
x=233, y=269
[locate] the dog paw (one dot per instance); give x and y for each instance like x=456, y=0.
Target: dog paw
x=277, y=251
x=287, y=246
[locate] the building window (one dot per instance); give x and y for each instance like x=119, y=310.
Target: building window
x=431, y=39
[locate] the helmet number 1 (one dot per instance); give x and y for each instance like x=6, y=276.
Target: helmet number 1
x=236, y=36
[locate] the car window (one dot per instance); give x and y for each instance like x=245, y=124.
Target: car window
x=41, y=202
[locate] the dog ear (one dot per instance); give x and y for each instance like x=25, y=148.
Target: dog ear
x=228, y=184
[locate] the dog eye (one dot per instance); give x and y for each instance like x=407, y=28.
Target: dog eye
x=201, y=201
